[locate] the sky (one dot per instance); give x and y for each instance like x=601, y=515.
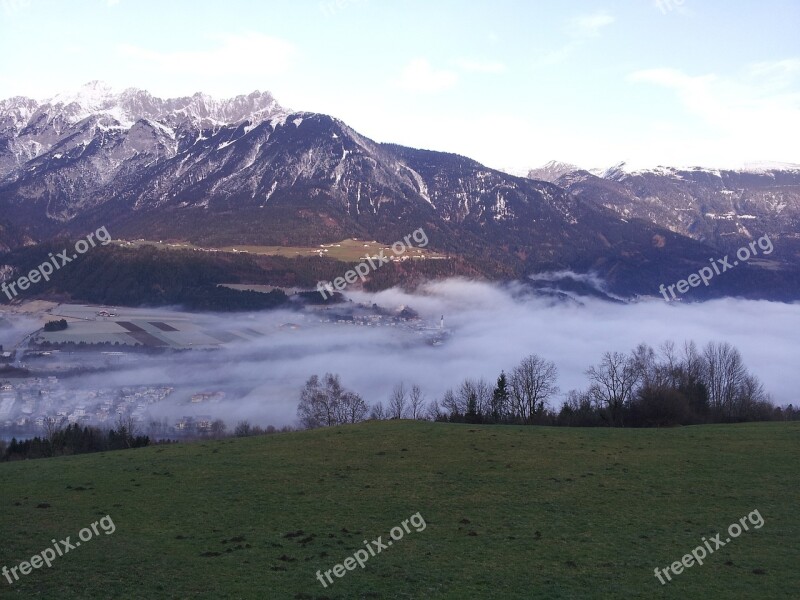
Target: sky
x=511, y=83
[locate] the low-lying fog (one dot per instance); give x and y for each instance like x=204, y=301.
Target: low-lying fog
x=492, y=329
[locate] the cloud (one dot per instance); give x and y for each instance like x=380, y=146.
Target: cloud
x=252, y=54
x=776, y=74
x=757, y=113
x=579, y=30
x=12, y=7
x=788, y=65
x=481, y=66
x=493, y=327
x=666, y=6
x=420, y=76
x=589, y=25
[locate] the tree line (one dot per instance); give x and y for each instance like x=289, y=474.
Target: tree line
x=642, y=388
x=58, y=440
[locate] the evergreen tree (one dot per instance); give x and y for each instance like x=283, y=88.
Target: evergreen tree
x=500, y=398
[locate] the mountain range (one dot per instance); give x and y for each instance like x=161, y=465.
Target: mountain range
x=248, y=171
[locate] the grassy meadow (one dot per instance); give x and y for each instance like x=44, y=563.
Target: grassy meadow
x=349, y=250
x=510, y=512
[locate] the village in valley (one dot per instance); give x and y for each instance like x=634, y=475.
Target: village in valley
x=43, y=375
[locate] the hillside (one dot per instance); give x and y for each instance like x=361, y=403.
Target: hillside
x=723, y=208
x=246, y=171
x=510, y=512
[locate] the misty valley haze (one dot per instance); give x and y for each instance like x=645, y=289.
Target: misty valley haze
x=492, y=327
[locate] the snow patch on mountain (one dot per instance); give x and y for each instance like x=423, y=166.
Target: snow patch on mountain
x=554, y=170
x=31, y=128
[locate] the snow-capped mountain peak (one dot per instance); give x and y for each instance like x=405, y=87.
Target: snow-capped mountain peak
x=92, y=97
x=33, y=128
x=552, y=171
x=130, y=105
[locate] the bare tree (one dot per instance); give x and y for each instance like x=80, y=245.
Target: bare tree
x=435, y=412
x=316, y=408
x=452, y=404
x=483, y=396
x=725, y=375
x=53, y=426
x=128, y=428
x=613, y=382
x=218, y=428
x=352, y=408
x=397, y=402
x=416, y=402
x=467, y=395
x=693, y=367
x=670, y=363
x=533, y=383
x=651, y=374
x=751, y=394
x=578, y=410
x=243, y=429
x=327, y=403
x=377, y=413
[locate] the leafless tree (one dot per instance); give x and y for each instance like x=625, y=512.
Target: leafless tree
x=128, y=428
x=434, y=412
x=751, y=394
x=377, y=413
x=471, y=395
x=579, y=409
x=725, y=375
x=416, y=402
x=452, y=404
x=327, y=403
x=316, y=408
x=693, y=367
x=481, y=393
x=53, y=426
x=397, y=402
x=532, y=384
x=651, y=374
x=352, y=408
x=243, y=429
x=613, y=382
x=218, y=428
x=670, y=363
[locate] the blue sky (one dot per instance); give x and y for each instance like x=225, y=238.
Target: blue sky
x=511, y=83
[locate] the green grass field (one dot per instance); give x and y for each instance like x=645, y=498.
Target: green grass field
x=511, y=512
x=349, y=250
